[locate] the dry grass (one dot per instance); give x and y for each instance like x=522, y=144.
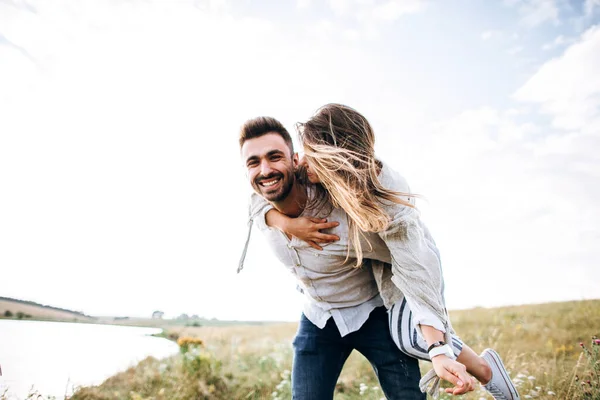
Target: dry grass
x=539, y=344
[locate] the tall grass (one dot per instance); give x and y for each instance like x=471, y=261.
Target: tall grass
x=540, y=345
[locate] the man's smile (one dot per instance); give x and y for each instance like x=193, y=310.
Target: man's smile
x=270, y=182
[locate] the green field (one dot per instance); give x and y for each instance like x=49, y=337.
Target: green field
x=539, y=344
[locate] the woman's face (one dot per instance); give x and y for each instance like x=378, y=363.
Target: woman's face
x=312, y=177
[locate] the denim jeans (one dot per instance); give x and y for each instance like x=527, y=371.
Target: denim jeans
x=320, y=354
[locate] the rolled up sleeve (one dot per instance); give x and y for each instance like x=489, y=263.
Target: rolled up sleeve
x=259, y=207
x=416, y=267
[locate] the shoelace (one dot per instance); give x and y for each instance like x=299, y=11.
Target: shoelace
x=496, y=392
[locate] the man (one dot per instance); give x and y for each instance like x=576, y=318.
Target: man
x=336, y=320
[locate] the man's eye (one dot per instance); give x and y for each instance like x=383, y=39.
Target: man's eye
x=251, y=164
x=275, y=158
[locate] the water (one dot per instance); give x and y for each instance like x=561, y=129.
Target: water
x=54, y=357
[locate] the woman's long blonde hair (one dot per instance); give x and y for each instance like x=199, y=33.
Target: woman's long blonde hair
x=339, y=145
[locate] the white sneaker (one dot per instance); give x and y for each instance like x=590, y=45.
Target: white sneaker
x=500, y=386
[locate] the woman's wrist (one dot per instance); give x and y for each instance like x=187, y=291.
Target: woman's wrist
x=275, y=219
x=441, y=351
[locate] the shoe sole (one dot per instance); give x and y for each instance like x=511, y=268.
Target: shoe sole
x=500, y=366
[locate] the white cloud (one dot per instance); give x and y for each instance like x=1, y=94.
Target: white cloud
x=514, y=50
x=568, y=87
x=536, y=12
x=508, y=199
x=559, y=41
x=391, y=10
x=341, y=7
x=302, y=4
x=487, y=35
x=513, y=196
x=369, y=11
x=590, y=6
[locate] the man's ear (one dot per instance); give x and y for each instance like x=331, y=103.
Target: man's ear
x=295, y=160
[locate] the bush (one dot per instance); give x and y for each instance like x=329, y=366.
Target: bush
x=8, y=314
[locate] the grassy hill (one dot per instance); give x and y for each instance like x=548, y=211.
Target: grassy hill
x=539, y=344
x=22, y=309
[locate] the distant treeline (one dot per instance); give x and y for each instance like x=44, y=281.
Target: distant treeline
x=32, y=303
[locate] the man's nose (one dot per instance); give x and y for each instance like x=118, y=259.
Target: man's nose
x=265, y=168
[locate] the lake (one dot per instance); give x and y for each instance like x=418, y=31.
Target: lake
x=54, y=357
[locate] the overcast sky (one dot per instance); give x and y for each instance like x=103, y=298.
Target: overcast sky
x=121, y=187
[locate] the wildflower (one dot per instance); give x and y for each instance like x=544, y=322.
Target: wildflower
x=517, y=381
x=551, y=393
x=189, y=341
x=596, y=342
x=581, y=344
x=531, y=378
x=363, y=388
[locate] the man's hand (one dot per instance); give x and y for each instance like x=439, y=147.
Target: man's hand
x=453, y=372
x=308, y=230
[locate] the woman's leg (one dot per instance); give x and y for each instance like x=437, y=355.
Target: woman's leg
x=409, y=341
x=487, y=368
x=405, y=334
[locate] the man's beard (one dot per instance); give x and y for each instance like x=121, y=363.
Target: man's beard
x=280, y=194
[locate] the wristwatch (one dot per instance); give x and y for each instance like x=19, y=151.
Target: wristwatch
x=439, y=348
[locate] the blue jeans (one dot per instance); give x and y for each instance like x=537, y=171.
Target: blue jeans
x=320, y=354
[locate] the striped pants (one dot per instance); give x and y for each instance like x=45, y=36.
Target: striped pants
x=405, y=334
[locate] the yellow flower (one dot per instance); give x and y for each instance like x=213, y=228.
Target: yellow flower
x=189, y=341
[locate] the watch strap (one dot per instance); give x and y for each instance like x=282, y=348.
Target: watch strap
x=436, y=344
x=442, y=350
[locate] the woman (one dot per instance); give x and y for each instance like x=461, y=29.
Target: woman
x=339, y=157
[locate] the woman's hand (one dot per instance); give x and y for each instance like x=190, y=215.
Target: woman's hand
x=308, y=230
x=453, y=372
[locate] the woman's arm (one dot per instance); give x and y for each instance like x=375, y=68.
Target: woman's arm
x=417, y=272
x=304, y=228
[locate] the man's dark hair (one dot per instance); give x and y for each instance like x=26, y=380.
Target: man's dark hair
x=259, y=126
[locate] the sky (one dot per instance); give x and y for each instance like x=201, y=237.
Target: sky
x=122, y=191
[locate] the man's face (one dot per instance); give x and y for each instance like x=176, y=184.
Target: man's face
x=270, y=166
